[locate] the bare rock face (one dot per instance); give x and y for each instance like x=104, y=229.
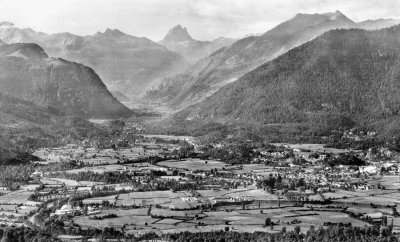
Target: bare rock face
x=28, y=73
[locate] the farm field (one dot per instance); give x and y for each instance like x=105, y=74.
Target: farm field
x=16, y=197
x=93, y=156
x=130, y=219
x=193, y=164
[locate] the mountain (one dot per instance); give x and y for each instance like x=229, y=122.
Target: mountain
x=227, y=64
x=179, y=40
x=342, y=79
x=177, y=34
x=378, y=24
x=120, y=96
x=125, y=63
x=26, y=72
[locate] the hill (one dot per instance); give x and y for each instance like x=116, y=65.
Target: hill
x=179, y=40
x=28, y=73
x=25, y=125
x=227, y=64
x=340, y=80
x=126, y=63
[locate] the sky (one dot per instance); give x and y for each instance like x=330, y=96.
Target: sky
x=205, y=19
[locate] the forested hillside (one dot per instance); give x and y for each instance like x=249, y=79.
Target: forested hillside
x=342, y=79
x=25, y=126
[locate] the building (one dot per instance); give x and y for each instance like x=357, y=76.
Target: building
x=64, y=210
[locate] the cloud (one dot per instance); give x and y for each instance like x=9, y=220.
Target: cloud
x=205, y=19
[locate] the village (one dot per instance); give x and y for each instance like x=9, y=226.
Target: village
x=169, y=184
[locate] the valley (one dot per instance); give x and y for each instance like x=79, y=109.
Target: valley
x=289, y=135
x=166, y=185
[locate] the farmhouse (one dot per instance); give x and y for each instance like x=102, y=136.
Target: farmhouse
x=65, y=209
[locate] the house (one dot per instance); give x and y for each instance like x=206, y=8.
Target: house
x=369, y=169
x=376, y=217
x=65, y=209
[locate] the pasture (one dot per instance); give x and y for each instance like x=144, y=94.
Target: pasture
x=192, y=164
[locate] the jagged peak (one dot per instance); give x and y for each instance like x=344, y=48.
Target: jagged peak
x=112, y=33
x=178, y=34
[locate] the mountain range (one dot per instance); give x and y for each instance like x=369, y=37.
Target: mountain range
x=28, y=73
x=179, y=40
x=125, y=63
x=227, y=64
x=342, y=79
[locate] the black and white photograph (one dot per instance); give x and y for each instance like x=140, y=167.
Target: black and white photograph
x=200, y=120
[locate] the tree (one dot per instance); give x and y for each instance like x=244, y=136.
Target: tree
x=268, y=222
x=297, y=230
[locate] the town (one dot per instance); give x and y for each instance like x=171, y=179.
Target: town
x=141, y=185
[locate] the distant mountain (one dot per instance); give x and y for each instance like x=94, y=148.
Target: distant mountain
x=26, y=72
x=229, y=63
x=179, y=41
x=126, y=63
x=177, y=34
x=342, y=79
x=378, y=24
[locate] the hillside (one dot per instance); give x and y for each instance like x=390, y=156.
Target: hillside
x=342, y=79
x=126, y=63
x=377, y=24
x=28, y=73
x=229, y=63
x=179, y=40
x=24, y=125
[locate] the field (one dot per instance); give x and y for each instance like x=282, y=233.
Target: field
x=17, y=197
x=93, y=156
x=249, y=194
x=381, y=197
x=130, y=217
x=313, y=148
x=193, y=164
x=138, y=198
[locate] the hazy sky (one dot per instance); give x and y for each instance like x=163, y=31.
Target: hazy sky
x=205, y=19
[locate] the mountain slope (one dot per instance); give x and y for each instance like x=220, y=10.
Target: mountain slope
x=179, y=41
x=377, y=24
x=25, y=125
x=125, y=63
x=26, y=72
x=339, y=80
x=229, y=63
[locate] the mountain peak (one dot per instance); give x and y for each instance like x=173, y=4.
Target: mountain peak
x=317, y=18
x=112, y=33
x=336, y=15
x=178, y=34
